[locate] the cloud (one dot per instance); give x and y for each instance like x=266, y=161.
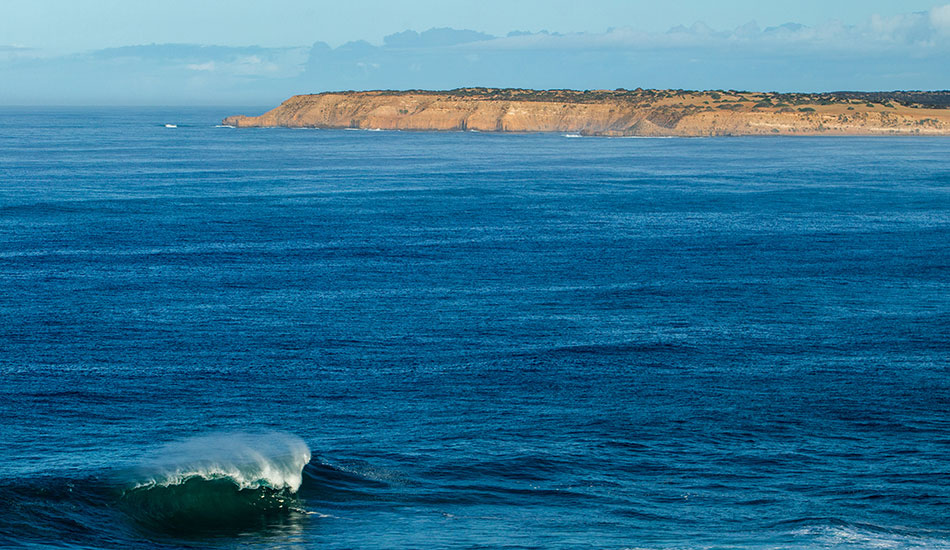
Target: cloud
x=903, y=51
x=906, y=51
x=434, y=38
x=155, y=74
x=901, y=33
x=940, y=19
x=208, y=66
x=249, y=61
x=15, y=51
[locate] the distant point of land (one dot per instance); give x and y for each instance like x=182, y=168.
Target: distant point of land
x=618, y=112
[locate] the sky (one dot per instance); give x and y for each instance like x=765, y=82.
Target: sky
x=253, y=52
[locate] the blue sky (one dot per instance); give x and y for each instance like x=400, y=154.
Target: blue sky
x=252, y=52
x=71, y=25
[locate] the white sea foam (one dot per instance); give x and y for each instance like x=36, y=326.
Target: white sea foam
x=849, y=536
x=271, y=460
x=224, y=126
x=572, y=135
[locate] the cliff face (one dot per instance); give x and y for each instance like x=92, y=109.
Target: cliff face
x=610, y=113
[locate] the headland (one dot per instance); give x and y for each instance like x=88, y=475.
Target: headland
x=617, y=112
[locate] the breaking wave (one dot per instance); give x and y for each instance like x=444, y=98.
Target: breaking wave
x=216, y=481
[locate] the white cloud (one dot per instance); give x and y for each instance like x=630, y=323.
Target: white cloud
x=913, y=33
x=209, y=66
x=940, y=18
x=882, y=52
x=17, y=51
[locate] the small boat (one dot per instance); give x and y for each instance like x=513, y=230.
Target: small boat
x=171, y=126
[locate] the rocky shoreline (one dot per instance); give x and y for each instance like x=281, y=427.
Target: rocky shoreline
x=617, y=112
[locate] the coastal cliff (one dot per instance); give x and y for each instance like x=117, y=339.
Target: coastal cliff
x=617, y=112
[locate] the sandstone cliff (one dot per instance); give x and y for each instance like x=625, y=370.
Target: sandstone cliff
x=616, y=113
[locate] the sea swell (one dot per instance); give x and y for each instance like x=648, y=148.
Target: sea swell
x=206, y=505
x=266, y=487
x=218, y=483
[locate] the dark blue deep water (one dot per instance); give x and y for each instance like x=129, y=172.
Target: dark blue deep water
x=216, y=338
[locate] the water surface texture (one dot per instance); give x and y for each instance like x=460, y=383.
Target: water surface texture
x=270, y=338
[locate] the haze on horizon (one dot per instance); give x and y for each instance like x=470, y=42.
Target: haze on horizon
x=111, y=52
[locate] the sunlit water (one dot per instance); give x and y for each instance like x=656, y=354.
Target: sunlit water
x=220, y=338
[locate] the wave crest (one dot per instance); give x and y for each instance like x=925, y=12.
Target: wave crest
x=217, y=480
x=250, y=461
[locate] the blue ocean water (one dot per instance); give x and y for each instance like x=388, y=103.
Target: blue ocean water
x=273, y=338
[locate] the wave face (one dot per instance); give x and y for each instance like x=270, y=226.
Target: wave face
x=216, y=481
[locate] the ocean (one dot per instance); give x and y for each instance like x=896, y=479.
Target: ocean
x=218, y=338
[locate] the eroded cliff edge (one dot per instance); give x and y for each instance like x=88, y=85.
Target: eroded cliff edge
x=617, y=112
